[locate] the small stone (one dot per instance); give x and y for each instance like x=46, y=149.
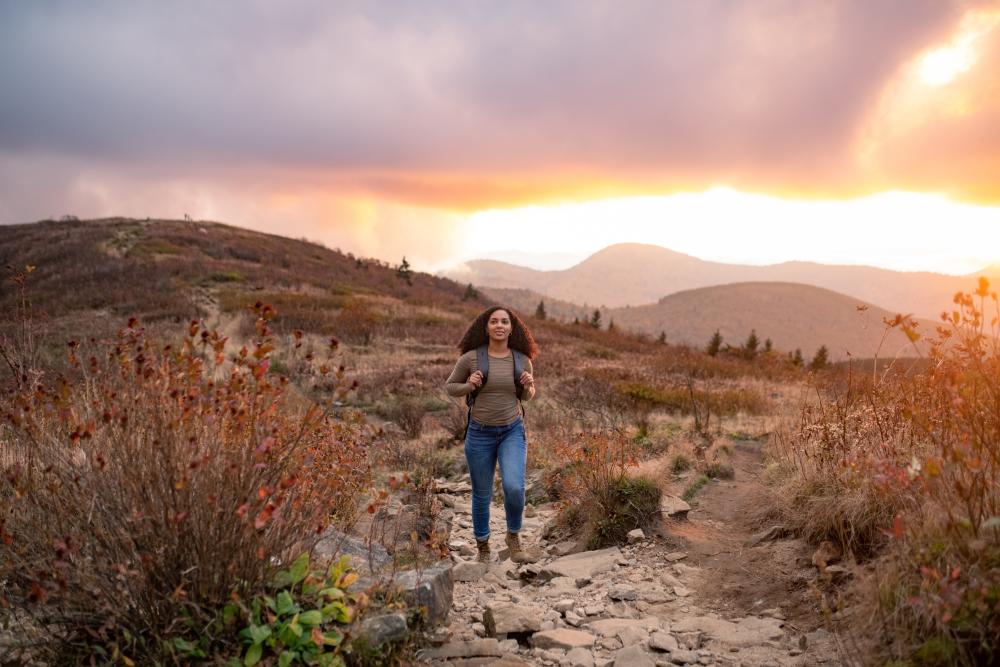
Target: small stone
x=633, y=656
x=580, y=657
x=479, y=629
x=469, y=571
x=631, y=635
x=682, y=657
x=593, y=610
x=794, y=652
x=384, y=629
x=674, y=507
x=574, y=619
x=663, y=641
x=564, y=605
x=609, y=643
x=681, y=592
x=620, y=592
x=509, y=646
x=634, y=536
x=675, y=556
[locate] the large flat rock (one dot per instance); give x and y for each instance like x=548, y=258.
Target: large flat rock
x=610, y=627
x=582, y=565
x=749, y=631
x=468, y=649
x=563, y=639
x=674, y=507
x=502, y=619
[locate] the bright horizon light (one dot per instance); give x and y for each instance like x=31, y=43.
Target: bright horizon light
x=904, y=231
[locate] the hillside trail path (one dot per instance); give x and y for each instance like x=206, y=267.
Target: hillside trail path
x=692, y=592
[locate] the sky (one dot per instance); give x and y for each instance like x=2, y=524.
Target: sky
x=746, y=131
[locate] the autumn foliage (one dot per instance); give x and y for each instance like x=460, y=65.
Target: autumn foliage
x=905, y=467
x=155, y=482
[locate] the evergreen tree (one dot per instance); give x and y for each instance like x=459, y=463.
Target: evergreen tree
x=470, y=293
x=404, y=272
x=821, y=359
x=768, y=346
x=663, y=338
x=576, y=320
x=611, y=325
x=595, y=319
x=750, y=347
x=797, y=357
x=540, y=311
x=714, y=344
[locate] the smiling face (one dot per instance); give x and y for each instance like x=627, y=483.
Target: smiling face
x=498, y=327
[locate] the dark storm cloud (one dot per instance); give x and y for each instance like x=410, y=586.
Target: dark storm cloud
x=512, y=87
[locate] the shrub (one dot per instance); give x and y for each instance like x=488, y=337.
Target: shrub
x=595, y=479
x=407, y=413
x=454, y=421
x=694, y=487
x=154, y=482
x=679, y=463
x=720, y=470
x=630, y=503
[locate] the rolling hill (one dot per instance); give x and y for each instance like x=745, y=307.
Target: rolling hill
x=792, y=315
x=91, y=275
x=637, y=274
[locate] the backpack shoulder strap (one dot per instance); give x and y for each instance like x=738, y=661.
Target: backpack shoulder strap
x=518, y=369
x=483, y=366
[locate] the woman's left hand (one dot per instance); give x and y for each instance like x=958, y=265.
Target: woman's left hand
x=527, y=380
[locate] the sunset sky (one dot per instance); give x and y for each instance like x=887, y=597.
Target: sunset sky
x=752, y=132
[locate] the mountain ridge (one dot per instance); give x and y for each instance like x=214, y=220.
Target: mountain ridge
x=640, y=274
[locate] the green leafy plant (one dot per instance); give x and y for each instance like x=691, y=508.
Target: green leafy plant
x=304, y=621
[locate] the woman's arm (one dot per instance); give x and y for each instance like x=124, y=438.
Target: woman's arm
x=458, y=382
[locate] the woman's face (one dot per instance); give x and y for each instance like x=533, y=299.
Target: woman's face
x=498, y=327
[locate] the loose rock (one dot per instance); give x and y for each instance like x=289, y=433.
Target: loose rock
x=564, y=639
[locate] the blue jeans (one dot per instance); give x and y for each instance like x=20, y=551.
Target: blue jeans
x=484, y=446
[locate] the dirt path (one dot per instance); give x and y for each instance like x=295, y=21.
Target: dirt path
x=694, y=593
x=776, y=575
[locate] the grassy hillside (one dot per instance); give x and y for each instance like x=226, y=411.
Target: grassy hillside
x=91, y=275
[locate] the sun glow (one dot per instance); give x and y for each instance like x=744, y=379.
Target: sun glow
x=944, y=64
x=940, y=67
x=899, y=230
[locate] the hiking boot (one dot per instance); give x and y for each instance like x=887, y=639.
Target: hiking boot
x=517, y=553
x=484, y=551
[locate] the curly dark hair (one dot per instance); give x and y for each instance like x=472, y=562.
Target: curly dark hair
x=520, y=337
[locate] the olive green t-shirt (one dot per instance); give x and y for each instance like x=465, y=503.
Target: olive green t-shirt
x=496, y=404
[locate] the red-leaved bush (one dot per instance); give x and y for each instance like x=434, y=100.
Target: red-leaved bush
x=155, y=482
x=905, y=467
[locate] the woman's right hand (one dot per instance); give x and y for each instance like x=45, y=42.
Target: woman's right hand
x=476, y=380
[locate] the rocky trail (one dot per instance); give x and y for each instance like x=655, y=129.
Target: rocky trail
x=701, y=590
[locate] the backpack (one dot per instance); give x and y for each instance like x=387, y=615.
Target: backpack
x=483, y=365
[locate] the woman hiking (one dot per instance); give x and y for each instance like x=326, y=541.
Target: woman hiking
x=494, y=373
